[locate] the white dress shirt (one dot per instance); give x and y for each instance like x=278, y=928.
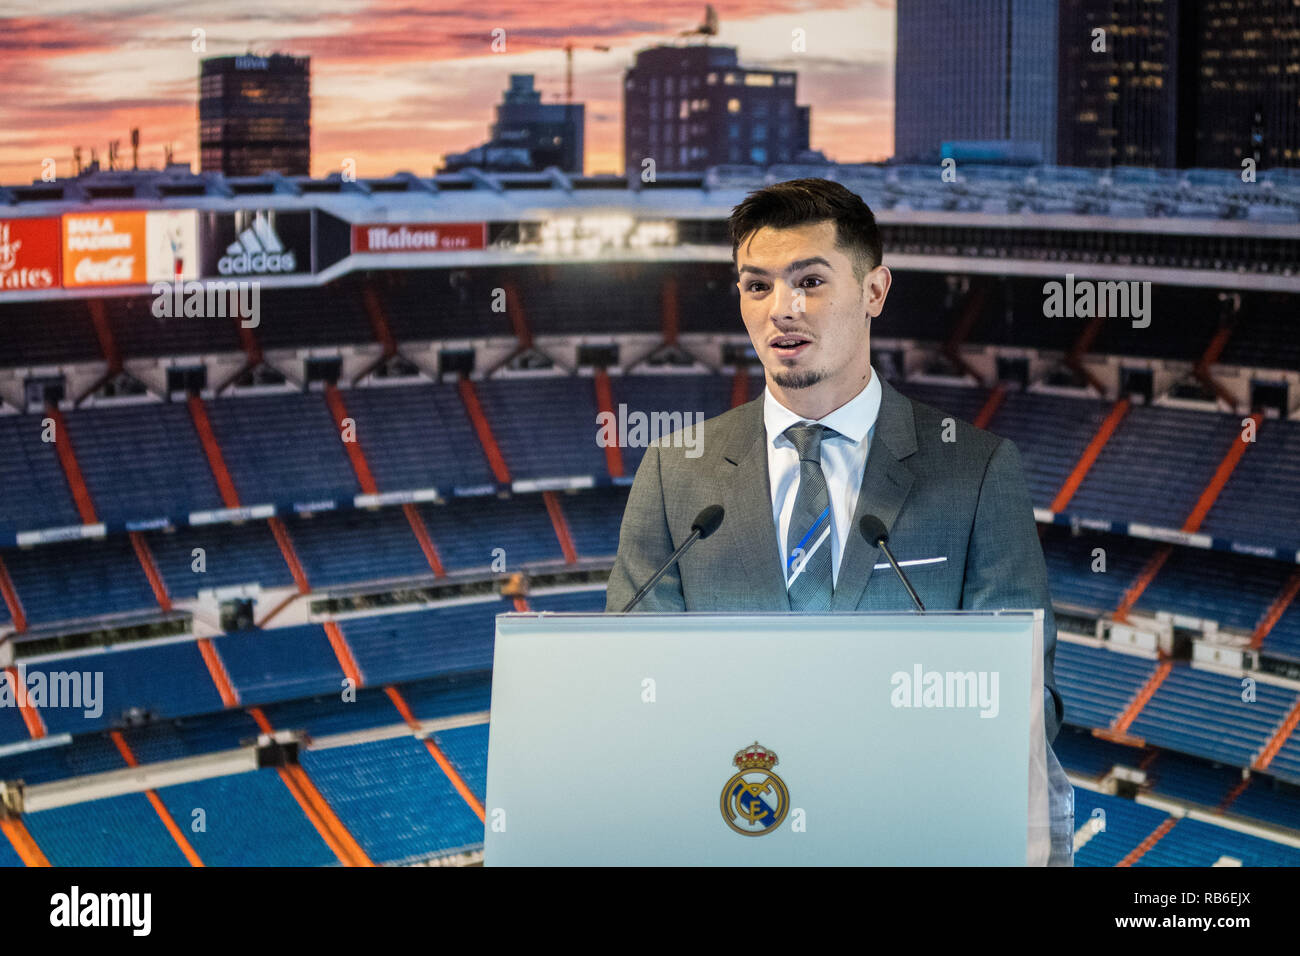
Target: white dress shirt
x=844, y=459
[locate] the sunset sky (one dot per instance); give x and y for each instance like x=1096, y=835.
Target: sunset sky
x=398, y=83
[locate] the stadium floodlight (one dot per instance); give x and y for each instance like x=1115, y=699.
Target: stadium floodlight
x=586, y=235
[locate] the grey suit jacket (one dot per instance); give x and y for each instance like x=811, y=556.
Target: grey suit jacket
x=964, y=499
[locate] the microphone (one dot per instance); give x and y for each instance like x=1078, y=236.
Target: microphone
x=705, y=523
x=873, y=529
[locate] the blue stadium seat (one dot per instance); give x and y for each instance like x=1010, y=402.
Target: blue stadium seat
x=249, y=819
x=1155, y=466
x=1122, y=825
x=233, y=554
x=1070, y=561
x=1284, y=639
x=1195, y=843
x=1286, y=762
x=1188, y=778
x=1051, y=433
x=1260, y=504
x=392, y=796
x=330, y=714
x=466, y=748
x=684, y=396
x=280, y=663
x=351, y=547
x=1202, y=713
x=8, y=855
x=1268, y=800
x=467, y=532
x=191, y=736
x=418, y=436
x=595, y=517
x=163, y=680
x=114, y=831
x=1083, y=754
x=1097, y=685
x=36, y=492
x=448, y=696
x=168, y=475
x=84, y=754
x=12, y=727
x=1233, y=589
x=546, y=427
x=395, y=647
x=282, y=449
x=79, y=580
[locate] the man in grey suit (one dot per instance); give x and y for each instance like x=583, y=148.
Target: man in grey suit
x=828, y=442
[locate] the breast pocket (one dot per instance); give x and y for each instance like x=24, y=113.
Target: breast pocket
x=908, y=565
x=928, y=576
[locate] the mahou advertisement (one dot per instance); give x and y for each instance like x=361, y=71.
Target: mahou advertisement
x=104, y=249
x=419, y=237
x=29, y=254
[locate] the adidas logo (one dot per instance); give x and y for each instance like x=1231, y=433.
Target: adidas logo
x=258, y=249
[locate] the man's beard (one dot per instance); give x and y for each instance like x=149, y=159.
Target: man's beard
x=798, y=378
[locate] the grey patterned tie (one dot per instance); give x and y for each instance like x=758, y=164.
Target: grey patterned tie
x=808, y=543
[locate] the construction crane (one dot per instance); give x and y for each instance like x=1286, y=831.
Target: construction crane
x=569, y=47
x=709, y=28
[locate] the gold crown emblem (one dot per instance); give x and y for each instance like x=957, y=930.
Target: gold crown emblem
x=755, y=757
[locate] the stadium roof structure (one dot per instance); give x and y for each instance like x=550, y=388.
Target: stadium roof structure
x=1184, y=227
x=900, y=193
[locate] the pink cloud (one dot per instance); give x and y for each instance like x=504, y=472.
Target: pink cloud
x=60, y=82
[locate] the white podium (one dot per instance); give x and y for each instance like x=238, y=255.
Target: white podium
x=858, y=738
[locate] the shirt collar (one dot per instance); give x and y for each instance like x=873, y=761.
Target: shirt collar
x=853, y=420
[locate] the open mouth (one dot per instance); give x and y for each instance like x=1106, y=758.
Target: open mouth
x=789, y=344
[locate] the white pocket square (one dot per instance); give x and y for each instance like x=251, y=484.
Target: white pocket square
x=908, y=564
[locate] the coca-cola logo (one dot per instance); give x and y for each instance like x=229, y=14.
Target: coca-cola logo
x=116, y=269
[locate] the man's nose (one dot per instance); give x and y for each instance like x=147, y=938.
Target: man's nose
x=785, y=303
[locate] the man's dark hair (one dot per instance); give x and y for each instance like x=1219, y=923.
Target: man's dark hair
x=797, y=202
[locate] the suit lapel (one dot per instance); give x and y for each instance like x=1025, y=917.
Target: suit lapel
x=742, y=472
x=886, y=482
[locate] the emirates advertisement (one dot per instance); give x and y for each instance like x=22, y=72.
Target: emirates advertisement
x=29, y=254
x=104, y=249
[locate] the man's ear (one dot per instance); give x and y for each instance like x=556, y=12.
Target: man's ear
x=878, y=282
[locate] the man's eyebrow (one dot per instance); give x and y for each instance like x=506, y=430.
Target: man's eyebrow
x=792, y=267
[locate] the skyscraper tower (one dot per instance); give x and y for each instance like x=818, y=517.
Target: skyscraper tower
x=968, y=70
x=255, y=115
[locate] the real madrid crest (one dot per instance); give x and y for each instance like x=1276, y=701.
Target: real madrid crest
x=755, y=800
